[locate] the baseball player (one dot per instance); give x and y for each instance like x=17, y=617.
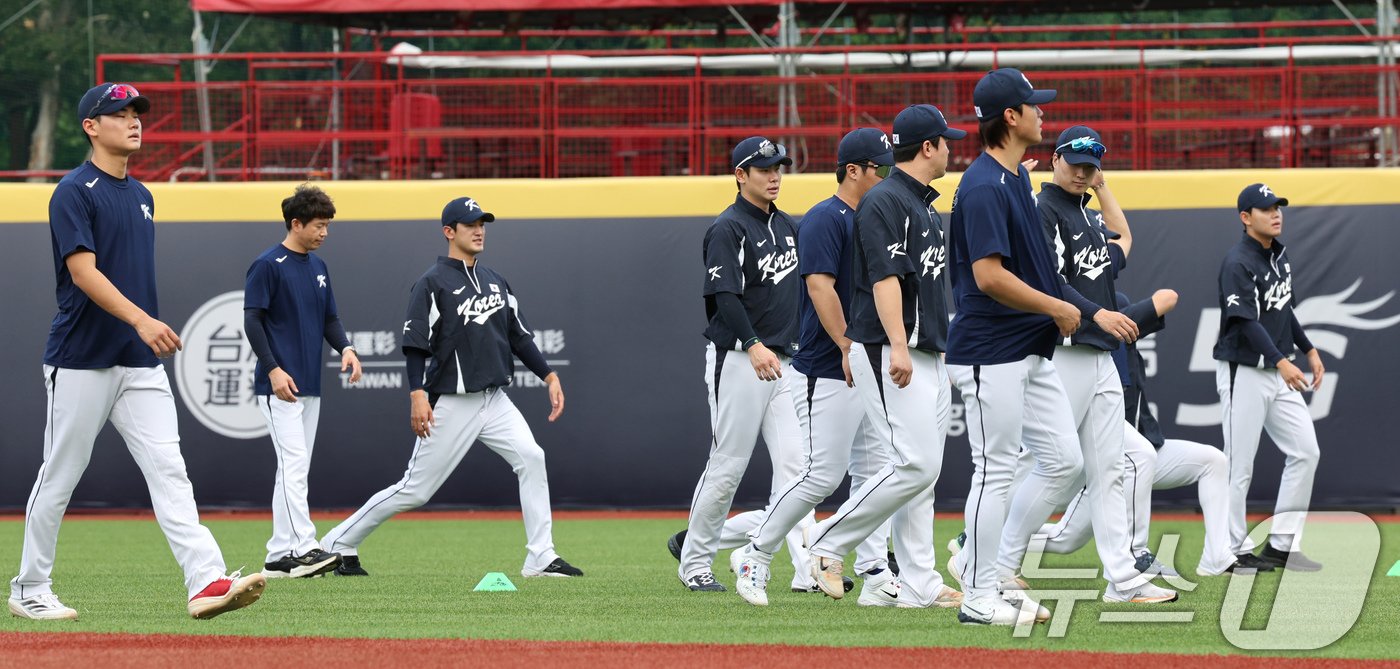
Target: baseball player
x=1009, y=316
x=1091, y=247
x=1259, y=385
x=462, y=328
x=834, y=430
x=288, y=308
x=102, y=364
x=898, y=326
x=1152, y=462
x=751, y=300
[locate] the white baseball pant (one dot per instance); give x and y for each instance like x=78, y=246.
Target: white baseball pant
x=836, y=437
x=459, y=420
x=1250, y=399
x=913, y=424
x=138, y=403
x=1095, y=393
x=1007, y=406
x=1177, y=464
x=292, y=426
x=741, y=407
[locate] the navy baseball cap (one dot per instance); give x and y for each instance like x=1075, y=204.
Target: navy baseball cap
x=110, y=98
x=918, y=123
x=759, y=152
x=1080, y=145
x=865, y=144
x=464, y=210
x=1259, y=196
x=1006, y=88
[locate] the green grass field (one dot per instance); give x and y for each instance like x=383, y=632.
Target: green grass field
x=120, y=576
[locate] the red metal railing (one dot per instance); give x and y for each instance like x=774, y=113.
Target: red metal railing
x=367, y=116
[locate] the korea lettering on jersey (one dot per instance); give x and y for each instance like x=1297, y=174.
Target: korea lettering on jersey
x=752, y=253
x=469, y=323
x=897, y=233
x=1255, y=284
x=1085, y=258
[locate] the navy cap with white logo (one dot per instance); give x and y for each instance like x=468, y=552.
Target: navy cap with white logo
x=1259, y=196
x=865, y=145
x=111, y=98
x=1006, y=88
x=1080, y=145
x=464, y=210
x=918, y=123
x=759, y=152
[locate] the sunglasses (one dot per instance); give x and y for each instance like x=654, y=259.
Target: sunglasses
x=114, y=92
x=1086, y=145
x=882, y=171
x=765, y=150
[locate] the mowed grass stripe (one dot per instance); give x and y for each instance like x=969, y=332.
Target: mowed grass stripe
x=121, y=577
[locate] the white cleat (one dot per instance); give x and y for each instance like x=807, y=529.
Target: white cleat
x=42, y=607
x=1017, y=598
x=993, y=611
x=752, y=573
x=827, y=573
x=955, y=570
x=880, y=589
x=1143, y=594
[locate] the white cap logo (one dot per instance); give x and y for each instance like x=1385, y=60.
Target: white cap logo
x=1028, y=81
x=1264, y=190
x=975, y=109
x=886, y=139
x=471, y=204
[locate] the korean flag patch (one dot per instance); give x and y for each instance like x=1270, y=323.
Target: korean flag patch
x=789, y=241
x=495, y=288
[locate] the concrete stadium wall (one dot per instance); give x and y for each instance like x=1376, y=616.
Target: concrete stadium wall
x=608, y=272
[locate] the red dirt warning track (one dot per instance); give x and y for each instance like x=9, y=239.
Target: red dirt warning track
x=58, y=650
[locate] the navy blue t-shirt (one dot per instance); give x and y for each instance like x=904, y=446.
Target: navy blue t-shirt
x=295, y=290
x=115, y=220
x=994, y=213
x=823, y=247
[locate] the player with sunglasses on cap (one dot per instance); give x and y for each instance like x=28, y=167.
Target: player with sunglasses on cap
x=751, y=300
x=1091, y=247
x=102, y=364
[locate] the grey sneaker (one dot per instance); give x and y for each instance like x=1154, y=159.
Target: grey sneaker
x=1147, y=564
x=314, y=563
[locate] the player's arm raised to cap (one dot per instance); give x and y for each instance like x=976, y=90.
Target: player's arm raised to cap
x=522, y=344
x=1113, y=217
x=885, y=243
x=820, y=240
x=984, y=216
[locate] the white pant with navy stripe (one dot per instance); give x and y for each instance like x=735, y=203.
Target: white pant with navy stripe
x=1009, y=405
x=1177, y=464
x=742, y=406
x=1095, y=393
x=912, y=422
x=459, y=420
x=138, y=403
x=1252, y=399
x=836, y=437
x=292, y=427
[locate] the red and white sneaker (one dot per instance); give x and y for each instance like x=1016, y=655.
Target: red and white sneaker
x=227, y=594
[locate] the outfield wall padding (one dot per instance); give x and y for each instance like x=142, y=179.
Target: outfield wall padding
x=617, y=304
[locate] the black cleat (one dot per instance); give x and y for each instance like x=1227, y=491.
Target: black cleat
x=676, y=543
x=893, y=563
x=314, y=563
x=1249, y=561
x=557, y=569
x=704, y=582
x=1147, y=563
x=350, y=566
x=1292, y=561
